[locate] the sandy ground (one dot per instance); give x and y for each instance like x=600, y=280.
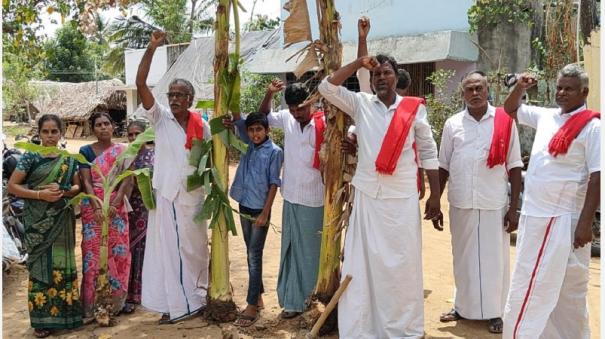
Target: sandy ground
x=438, y=285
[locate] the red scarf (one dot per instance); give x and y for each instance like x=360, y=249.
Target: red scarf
x=560, y=142
x=500, y=138
x=195, y=129
x=397, y=133
x=320, y=126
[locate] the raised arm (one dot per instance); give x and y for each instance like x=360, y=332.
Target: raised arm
x=363, y=28
x=275, y=86
x=514, y=98
x=342, y=74
x=145, y=94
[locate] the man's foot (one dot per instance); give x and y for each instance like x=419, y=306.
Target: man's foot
x=42, y=332
x=260, y=304
x=495, y=325
x=450, y=316
x=165, y=319
x=289, y=314
x=248, y=317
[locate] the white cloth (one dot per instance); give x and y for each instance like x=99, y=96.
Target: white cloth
x=301, y=183
x=175, y=270
x=364, y=77
x=383, y=254
x=171, y=165
x=372, y=118
x=547, y=297
x=480, y=247
x=465, y=145
x=557, y=186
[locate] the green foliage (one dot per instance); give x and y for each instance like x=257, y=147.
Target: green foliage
x=69, y=56
x=441, y=105
x=18, y=93
x=254, y=87
x=261, y=23
x=488, y=13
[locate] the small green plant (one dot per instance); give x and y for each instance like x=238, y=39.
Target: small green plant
x=441, y=105
x=488, y=13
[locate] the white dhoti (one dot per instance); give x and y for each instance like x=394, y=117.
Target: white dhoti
x=547, y=297
x=383, y=254
x=480, y=247
x=175, y=270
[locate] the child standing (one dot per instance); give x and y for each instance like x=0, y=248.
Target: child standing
x=254, y=188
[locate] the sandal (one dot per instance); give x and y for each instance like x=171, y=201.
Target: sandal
x=245, y=320
x=289, y=314
x=495, y=325
x=165, y=319
x=41, y=333
x=450, y=316
x=128, y=308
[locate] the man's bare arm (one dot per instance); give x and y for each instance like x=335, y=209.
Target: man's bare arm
x=515, y=97
x=275, y=86
x=145, y=94
x=583, y=234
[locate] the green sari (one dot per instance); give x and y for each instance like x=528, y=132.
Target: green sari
x=53, y=296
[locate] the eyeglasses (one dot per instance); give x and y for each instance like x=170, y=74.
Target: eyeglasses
x=177, y=95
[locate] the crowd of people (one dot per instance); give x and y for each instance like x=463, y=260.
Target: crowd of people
x=159, y=257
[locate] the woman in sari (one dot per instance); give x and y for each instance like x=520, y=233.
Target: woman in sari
x=46, y=183
x=137, y=219
x=103, y=154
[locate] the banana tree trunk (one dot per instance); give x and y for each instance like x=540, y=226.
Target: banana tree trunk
x=333, y=166
x=221, y=307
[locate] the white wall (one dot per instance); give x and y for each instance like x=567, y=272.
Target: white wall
x=395, y=17
x=159, y=65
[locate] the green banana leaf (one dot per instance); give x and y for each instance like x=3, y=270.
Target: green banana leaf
x=44, y=151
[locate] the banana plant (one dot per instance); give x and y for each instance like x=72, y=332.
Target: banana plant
x=119, y=171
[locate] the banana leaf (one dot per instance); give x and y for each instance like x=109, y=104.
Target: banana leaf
x=44, y=151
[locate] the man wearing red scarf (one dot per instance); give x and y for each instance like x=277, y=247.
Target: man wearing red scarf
x=480, y=154
x=175, y=269
x=382, y=250
x=547, y=297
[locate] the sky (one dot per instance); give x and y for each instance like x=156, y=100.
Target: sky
x=271, y=8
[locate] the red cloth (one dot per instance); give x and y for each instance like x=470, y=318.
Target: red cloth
x=320, y=127
x=560, y=142
x=397, y=133
x=503, y=125
x=195, y=129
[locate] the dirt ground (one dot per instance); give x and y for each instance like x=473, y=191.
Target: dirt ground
x=438, y=285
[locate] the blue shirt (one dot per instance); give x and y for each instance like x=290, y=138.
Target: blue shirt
x=258, y=169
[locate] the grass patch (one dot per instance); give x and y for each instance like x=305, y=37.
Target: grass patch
x=14, y=130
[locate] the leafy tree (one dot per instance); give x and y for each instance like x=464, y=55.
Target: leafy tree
x=18, y=93
x=261, y=23
x=68, y=57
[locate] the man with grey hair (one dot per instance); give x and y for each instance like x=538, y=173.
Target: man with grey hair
x=547, y=297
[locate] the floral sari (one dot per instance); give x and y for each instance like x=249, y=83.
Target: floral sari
x=118, y=261
x=53, y=296
x=138, y=229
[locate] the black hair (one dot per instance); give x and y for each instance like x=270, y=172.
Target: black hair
x=184, y=82
x=50, y=117
x=403, y=79
x=257, y=118
x=383, y=58
x=467, y=75
x=295, y=94
x=97, y=115
x=137, y=123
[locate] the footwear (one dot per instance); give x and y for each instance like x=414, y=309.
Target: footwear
x=450, y=316
x=88, y=320
x=495, y=325
x=41, y=333
x=245, y=320
x=128, y=308
x=165, y=319
x=289, y=314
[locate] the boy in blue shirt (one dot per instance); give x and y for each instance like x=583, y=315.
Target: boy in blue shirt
x=254, y=188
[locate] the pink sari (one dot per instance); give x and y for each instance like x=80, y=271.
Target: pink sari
x=118, y=261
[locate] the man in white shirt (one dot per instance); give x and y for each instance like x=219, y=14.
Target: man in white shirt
x=303, y=192
x=547, y=297
x=479, y=214
x=382, y=250
x=175, y=270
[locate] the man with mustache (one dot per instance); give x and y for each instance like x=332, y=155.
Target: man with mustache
x=479, y=167
x=175, y=269
x=303, y=192
x=547, y=297
x=383, y=245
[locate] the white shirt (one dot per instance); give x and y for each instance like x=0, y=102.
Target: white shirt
x=171, y=165
x=557, y=186
x=301, y=183
x=372, y=118
x=465, y=145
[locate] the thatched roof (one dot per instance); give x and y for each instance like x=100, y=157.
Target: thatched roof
x=77, y=101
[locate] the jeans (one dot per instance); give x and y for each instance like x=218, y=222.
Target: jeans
x=255, y=243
